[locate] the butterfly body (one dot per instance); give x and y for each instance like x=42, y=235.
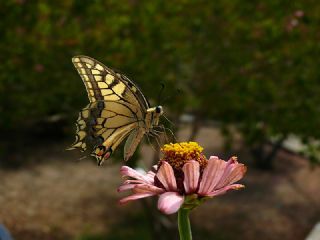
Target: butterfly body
x=117, y=110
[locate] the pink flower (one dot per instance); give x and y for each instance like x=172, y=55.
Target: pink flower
x=176, y=186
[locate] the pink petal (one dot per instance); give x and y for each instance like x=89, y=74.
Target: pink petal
x=147, y=188
x=133, y=181
x=166, y=177
x=225, y=189
x=150, y=176
x=170, y=202
x=130, y=172
x=135, y=197
x=211, y=175
x=233, y=173
x=130, y=184
x=191, y=171
x=125, y=187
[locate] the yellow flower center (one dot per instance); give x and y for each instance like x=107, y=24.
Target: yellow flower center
x=177, y=154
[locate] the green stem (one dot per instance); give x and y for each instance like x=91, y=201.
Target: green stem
x=184, y=224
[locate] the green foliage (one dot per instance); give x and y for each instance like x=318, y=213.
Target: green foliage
x=251, y=63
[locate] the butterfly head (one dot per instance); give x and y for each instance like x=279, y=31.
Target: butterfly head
x=158, y=111
x=101, y=153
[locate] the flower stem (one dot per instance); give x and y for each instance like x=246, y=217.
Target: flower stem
x=184, y=224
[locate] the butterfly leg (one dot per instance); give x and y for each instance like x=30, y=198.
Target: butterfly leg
x=164, y=130
x=156, y=137
x=151, y=144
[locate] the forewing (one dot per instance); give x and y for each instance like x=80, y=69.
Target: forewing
x=104, y=84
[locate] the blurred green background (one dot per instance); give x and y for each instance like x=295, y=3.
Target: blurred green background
x=250, y=66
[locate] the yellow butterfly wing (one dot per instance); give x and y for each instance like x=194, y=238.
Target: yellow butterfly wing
x=104, y=125
x=103, y=83
x=117, y=109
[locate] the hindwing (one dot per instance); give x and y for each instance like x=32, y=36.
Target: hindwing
x=106, y=124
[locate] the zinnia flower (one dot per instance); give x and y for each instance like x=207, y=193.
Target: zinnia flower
x=183, y=178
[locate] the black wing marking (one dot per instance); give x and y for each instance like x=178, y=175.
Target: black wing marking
x=103, y=83
x=100, y=120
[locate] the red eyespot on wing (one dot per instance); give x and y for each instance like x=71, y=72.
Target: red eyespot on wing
x=100, y=153
x=108, y=154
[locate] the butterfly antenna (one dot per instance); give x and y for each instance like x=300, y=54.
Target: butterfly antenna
x=160, y=92
x=179, y=91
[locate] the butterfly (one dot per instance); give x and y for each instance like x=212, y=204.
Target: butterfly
x=117, y=110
